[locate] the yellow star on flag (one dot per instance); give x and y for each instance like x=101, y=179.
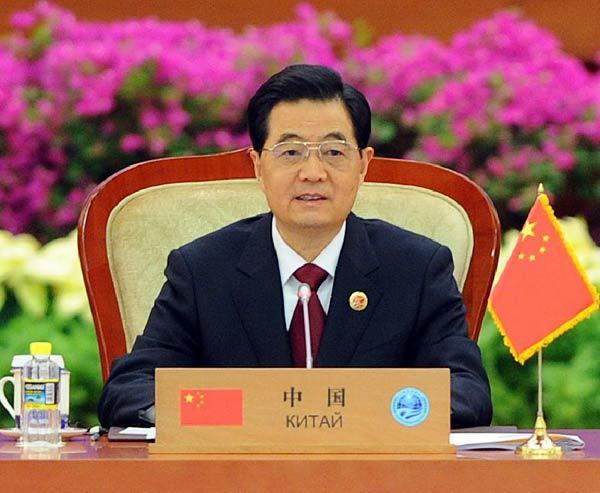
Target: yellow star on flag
x=527, y=230
x=189, y=398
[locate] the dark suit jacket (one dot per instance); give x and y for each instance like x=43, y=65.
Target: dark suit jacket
x=222, y=306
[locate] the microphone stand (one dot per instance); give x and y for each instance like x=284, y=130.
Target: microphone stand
x=304, y=294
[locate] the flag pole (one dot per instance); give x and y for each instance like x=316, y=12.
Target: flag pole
x=541, y=257
x=539, y=445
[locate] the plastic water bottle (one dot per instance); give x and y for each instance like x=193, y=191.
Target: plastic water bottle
x=40, y=422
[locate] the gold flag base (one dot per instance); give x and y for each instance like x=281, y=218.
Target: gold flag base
x=539, y=445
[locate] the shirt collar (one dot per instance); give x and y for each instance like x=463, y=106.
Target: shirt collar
x=289, y=261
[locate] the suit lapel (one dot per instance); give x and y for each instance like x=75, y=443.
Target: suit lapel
x=258, y=296
x=357, y=270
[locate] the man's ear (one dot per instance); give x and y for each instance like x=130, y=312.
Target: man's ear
x=255, y=156
x=366, y=155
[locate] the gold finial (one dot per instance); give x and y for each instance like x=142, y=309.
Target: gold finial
x=540, y=189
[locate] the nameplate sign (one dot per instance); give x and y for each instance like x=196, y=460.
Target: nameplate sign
x=291, y=410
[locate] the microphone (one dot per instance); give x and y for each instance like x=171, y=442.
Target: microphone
x=304, y=294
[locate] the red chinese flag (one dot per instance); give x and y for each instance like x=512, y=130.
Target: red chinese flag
x=211, y=407
x=543, y=290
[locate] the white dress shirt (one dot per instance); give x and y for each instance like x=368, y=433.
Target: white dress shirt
x=289, y=261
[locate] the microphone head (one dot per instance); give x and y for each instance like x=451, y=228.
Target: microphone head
x=304, y=292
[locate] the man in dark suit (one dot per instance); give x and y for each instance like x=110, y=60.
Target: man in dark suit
x=381, y=296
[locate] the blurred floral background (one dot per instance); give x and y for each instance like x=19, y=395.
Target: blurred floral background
x=501, y=102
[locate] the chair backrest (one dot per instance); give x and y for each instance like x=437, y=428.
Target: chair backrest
x=136, y=217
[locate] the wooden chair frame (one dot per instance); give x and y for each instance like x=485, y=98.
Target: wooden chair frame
x=93, y=221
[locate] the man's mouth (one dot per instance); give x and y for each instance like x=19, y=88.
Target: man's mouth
x=308, y=197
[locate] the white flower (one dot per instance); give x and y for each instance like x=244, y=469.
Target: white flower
x=57, y=265
x=15, y=253
x=29, y=270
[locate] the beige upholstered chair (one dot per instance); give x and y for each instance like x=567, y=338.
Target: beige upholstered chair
x=137, y=216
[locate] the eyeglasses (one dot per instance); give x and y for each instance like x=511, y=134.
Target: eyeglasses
x=337, y=153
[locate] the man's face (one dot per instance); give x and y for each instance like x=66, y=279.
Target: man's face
x=311, y=195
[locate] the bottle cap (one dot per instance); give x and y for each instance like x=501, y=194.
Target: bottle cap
x=40, y=348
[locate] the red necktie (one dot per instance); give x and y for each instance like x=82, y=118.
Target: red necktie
x=312, y=275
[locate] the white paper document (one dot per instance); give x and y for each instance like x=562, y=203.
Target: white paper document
x=144, y=433
x=508, y=441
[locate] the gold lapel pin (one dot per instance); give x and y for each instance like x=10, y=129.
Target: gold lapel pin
x=358, y=301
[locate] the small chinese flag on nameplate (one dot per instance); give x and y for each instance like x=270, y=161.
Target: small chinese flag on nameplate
x=211, y=407
x=543, y=290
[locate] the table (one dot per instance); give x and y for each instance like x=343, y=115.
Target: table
x=83, y=465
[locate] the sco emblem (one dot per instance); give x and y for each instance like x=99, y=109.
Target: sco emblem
x=410, y=406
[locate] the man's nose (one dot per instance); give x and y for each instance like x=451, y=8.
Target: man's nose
x=313, y=168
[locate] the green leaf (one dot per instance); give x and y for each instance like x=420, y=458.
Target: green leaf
x=363, y=32
x=41, y=38
x=384, y=130
x=596, y=191
x=434, y=124
x=139, y=81
x=447, y=139
x=424, y=91
x=496, y=80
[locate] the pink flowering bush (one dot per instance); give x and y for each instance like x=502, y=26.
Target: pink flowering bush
x=81, y=100
x=515, y=110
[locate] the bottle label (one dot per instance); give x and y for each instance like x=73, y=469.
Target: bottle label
x=40, y=394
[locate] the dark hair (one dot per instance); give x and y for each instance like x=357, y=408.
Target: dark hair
x=312, y=82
